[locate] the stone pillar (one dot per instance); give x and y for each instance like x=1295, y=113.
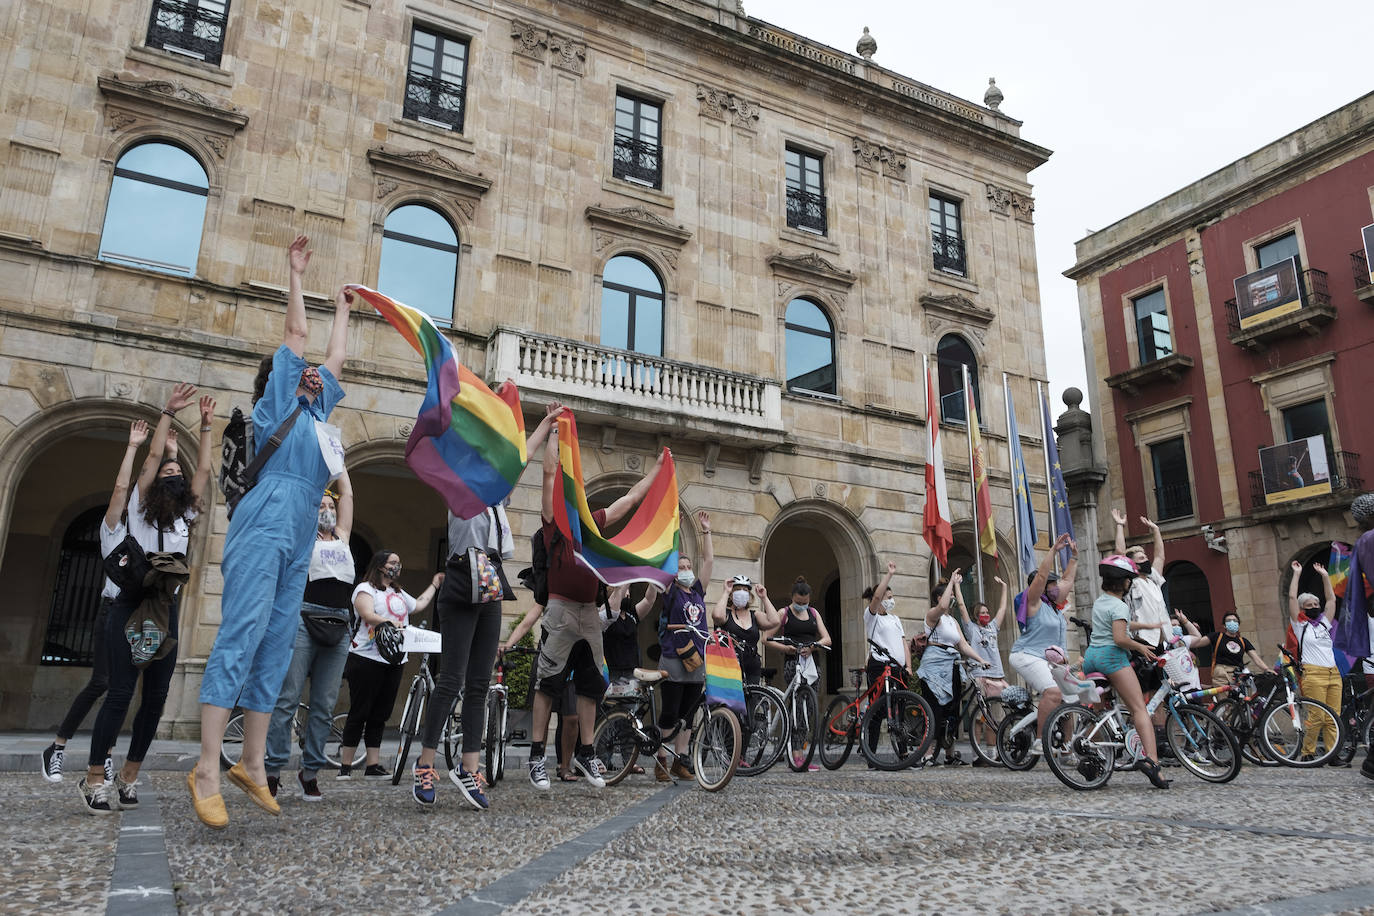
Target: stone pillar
x=1083, y=477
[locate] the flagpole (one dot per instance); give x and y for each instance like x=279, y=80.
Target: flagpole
x=925, y=374
x=1049, y=477
x=1011, y=463
x=973, y=484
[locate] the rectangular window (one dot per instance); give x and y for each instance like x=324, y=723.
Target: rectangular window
x=638, y=141
x=192, y=28
x=947, y=235
x=805, y=191
x=1302, y=421
x=1173, y=490
x=1152, y=326
x=436, y=80
x=1279, y=249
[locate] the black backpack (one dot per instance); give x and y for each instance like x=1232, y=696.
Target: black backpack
x=239, y=466
x=535, y=577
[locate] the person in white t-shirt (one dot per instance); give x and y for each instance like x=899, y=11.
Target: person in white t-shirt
x=1314, y=624
x=884, y=628
x=373, y=681
x=1150, y=621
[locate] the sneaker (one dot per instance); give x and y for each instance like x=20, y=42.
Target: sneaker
x=539, y=776
x=127, y=792
x=589, y=765
x=1338, y=762
x=96, y=798
x=423, y=791
x=273, y=784
x=376, y=771
x=52, y=762
x=471, y=785
x=345, y=771
x=109, y=770
x=310, y=788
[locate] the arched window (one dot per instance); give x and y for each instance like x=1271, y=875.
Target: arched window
x=70, y=637
x=631, y=306
x=156, y=210
x=810, y=343
x=420, y=260
x=951, y=356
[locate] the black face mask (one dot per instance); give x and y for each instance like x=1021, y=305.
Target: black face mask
x=1313, y=613
x=1144, y=567
x=173, y=485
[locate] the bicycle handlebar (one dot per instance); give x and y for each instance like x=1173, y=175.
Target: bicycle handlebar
x=1081, y=623
x=788, y=641
x=879, y=653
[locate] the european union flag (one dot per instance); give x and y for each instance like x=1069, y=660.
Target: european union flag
x=1059, y=494
x=1020, y=500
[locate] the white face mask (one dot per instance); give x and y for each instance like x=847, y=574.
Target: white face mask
x=889, y=604
x=740, y=599
x=686, y=578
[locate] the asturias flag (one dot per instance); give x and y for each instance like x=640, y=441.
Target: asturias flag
x=468, y=442
x=987, y=534
x=937, y=527
x=1020, y=500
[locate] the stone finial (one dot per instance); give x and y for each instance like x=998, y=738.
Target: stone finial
x=993, y=97
x=1072, y=398
x=867, y=45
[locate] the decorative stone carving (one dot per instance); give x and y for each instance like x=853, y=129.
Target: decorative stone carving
x=219, y=144
x=123, y=389
x=569, y=54
x=867, y=46
x=999, y=199
x=756, y=465
x=668, y=255
x=961, y=309
x=820, y=490
x=404, y=430
x=172, y=90
x=385, y=186
x=638, y=225
x=529, y=40
x=431, y=158
x=428, y=169
x=633, y=462
x=1024, y=205
x=878, y=158
x=120, y=120
x=993, y=97
x=204, y=119
x=718, y=103
x=533, y=42
x=712, y=457
x=607, y=439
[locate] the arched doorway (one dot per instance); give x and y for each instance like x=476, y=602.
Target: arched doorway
x=1188, y=591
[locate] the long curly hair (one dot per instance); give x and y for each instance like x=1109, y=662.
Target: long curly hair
x=260, y=380
x=161, y=508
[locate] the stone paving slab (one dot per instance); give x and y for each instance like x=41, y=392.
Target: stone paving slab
x=57, y=858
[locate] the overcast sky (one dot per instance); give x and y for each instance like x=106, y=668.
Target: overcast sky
x=1135, y=100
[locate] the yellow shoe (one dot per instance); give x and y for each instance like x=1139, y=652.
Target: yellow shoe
x=210, y=810
x=261, y=795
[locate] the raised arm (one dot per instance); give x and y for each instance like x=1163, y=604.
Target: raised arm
x=1071, y=570
x=337, y=348
x=719, y=613
x=550, y=474
x=877, y=601
x=524, y=626
x=201, y=482
x=645, y=603
x=541, y=432
x=1042, y=576
x=1002, y=603
x=1199, y=641
x=769, y=618
x=707, y=560
x=426, y=597
x=138, y=434
x=343, y=519
x=1330, y=610
x=1120, y=518
x=1157, y=557
x=297, y=329
x=181, y=397
x=622, y=506
x=1293, y=592
x=933, y=615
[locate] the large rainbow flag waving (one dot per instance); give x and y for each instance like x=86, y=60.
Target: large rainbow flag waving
x=646, y=550
x=468, y=442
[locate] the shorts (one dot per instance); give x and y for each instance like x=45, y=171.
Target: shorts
x=571, y=644
x=1105, y=660
x=1034, y=670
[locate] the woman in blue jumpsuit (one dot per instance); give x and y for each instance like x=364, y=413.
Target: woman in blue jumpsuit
x=267, y=554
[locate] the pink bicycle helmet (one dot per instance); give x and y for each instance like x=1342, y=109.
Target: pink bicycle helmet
x=1117, y=567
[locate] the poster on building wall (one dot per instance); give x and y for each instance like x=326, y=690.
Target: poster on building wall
x=1295, y=470
x=1268, y=293
x=1367, y=233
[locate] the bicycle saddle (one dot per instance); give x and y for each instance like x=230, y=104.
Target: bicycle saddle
x=649, y=675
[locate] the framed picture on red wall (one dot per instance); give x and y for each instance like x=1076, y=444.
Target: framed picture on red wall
x=1268, y=293
x=1295, y=470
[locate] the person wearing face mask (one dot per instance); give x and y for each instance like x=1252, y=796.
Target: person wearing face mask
x=939, y=672
x=321, y=647
x=372, y=680
x=1150, y=621
x=266, y=558
x=735, y=614
x=1046, y=625
x=1314, y=623
x=801, y=623
x=884, y=628
x=1232, y=650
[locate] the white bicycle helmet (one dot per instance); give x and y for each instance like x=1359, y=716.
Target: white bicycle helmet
x=741, y=582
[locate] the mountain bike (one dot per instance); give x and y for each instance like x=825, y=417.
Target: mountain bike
x=494, y=737
x=803, y=713
x=413, y=720
x=893, y=726
x=1357, y=712
x=765, y=729
x=1276, y=717
x=231, y=744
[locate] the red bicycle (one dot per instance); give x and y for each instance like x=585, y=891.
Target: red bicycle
x=891, y=724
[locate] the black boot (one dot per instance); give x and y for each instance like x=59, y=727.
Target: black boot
x=1151, y=771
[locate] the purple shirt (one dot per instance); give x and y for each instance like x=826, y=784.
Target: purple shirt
x=684, y=607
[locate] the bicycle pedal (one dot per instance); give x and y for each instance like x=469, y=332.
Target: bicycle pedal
x=518, y=735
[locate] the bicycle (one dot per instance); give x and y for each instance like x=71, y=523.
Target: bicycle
x=1279, y=724
x=803, y=708
x=1357, y=712
x=413, y=719
x=629, y=730
x=764, y=730
x=896, y=724
x=1018, y=745
x=494, y=737
x=231, y=744
x=1081, y=745
x=978, y=718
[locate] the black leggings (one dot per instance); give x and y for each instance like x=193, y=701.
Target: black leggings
x=372, y=687
x=676, y=701
x=124, y=677
x=471, y=634
x=946, y=715
x=874, y=670
x=100, y=676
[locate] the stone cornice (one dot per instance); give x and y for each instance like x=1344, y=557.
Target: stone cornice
x=430, y=168
x=811, y=268
x=960, y=308
x=638, y=222
x=156, y=97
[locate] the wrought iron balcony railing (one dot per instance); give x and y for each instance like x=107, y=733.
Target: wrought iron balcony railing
x=806, y=210
x=948, y=252
x=434, y=101
x=1344, y=468
x=188, y=27
x=1311, y=284
x=1359, y=266
x=638, y=161
x=1174, y=500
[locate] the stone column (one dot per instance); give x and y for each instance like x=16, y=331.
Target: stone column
x=1083, y=477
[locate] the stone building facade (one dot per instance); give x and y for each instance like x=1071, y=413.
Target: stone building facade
x=548, y=157
x=1193, y=387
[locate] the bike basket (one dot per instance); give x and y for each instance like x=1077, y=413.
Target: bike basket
x=1180, y=668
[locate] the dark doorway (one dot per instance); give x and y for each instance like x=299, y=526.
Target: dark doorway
x=834, y=659
x=1188, y=592
x=70, y=637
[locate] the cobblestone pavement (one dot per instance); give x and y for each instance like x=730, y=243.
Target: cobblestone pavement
x=944, y=841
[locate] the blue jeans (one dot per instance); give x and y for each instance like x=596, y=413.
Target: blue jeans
x=324, y=666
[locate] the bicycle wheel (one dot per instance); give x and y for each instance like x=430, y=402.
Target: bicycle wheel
x=616, y=745
x=331, y=747
x=495, y=744
x=1074, y=748
x=896, y=730
x=715, y=749
x=802, y=741
x=764, y=731
x=1235, y=714
x=452, y=736
x=1284, y=728
x=231, y=745
x=412, y=714
x=1016, y=750
x=837, y=732
x=1202, y=743
x=982, y=732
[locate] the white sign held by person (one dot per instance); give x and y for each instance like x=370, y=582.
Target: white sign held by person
x=331, y=447
x=419, y=640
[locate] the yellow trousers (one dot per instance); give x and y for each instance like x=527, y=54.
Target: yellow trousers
x=1323, y=684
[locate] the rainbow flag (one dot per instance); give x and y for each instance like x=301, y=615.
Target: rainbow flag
x=646, y=550
x=724, y=681
x=1338, y=566
x=468, y=442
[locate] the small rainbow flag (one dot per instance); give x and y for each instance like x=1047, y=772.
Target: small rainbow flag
x=646, y=550
x=724, y=681
x=1338, y=566
x=468, y=442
